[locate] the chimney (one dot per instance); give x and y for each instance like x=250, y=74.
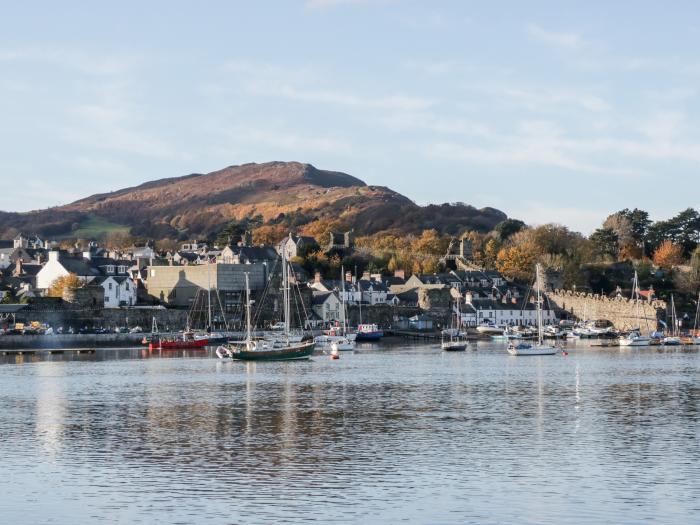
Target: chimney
x=18, y=268
x=468, y=298
x=53, y=256
x=87, y=255
x=317, y=277
x=365, y=276
x=401, y=274
x=348, y=277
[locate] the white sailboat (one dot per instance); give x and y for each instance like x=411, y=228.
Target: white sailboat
x=523, y=348
x=454, y=343
x=674, y=339
x=339, y=338
x=635, y=337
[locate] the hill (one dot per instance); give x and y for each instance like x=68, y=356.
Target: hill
x=283, y=195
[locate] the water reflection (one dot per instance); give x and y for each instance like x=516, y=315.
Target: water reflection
x=381, y=435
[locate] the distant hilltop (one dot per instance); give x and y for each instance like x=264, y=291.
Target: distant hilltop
x=280, y=196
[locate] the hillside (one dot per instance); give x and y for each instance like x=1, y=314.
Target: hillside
x=284, y=194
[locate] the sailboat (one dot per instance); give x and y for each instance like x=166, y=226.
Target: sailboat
x=635, y=337
x=283, y=348
x=455, y=343
x=523, y=348
x=338, y=337
x=674, y=339
x=696, y=334
x=345, y=342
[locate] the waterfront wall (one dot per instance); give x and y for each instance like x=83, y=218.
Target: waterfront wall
x=621, y=312
x=173, y=319
x=15, y=342
x=381, y=314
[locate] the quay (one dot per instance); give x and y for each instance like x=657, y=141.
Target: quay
x=34, y=351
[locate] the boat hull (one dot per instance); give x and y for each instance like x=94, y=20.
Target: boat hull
x=291, y=353
x=454, y=346
x=179, y=345
x=636, y=341
x=369, y=336
x=532, y=350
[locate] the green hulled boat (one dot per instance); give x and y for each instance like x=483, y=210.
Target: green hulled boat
x=279, y=349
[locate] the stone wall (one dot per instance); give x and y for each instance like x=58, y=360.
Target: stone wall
x=380, y=314
x=105, y=318
x=621, y=312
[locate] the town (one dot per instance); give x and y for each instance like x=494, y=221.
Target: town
x=88, y=288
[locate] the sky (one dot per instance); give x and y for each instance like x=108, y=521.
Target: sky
x=550, y=111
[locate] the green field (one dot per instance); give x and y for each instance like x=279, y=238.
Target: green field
x=97, y=227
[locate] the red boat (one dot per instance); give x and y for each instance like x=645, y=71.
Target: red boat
x=188, y=341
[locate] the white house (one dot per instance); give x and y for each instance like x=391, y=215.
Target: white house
x=61, y=265
x=326, y=305
x=119, y=290
x=477, y=312
x=5, y=254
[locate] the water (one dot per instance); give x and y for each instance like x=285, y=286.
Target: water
x=390, y=434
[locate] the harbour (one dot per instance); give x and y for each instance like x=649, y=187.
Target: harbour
x=393, y=431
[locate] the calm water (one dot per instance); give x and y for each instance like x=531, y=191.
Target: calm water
x=385, y=435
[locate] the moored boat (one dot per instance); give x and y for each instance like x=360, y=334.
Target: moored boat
x=186, y=342
x=280, y=348
x=368, y=332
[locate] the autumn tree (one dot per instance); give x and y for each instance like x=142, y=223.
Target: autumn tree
x=668, y=255
x=269, y=234
x=61, y=283
x=517, y=262
x=490, y=253
x=430, y=243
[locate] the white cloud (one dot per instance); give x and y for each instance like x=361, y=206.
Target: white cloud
x=563, y=40
x=325, y=4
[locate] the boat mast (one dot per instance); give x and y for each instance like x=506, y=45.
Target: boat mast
x=539, y=306
x=285, y=292
x=209, y=293
x=673, y=317
x=342, y=297
x=248, y=336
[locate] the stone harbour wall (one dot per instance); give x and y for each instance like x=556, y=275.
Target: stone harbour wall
x=621, y=312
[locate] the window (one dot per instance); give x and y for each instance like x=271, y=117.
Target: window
x=127, y=287
x=110, y=268
x=122, y=269
x=110, y=286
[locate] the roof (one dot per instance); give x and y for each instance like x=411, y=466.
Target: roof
x=256, y=253
x=77, y=266
x=376, y=286
x=31, y=269
x=320, y=297
x=6, y=244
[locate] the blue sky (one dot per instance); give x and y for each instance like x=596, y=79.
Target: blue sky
x=551, y=111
